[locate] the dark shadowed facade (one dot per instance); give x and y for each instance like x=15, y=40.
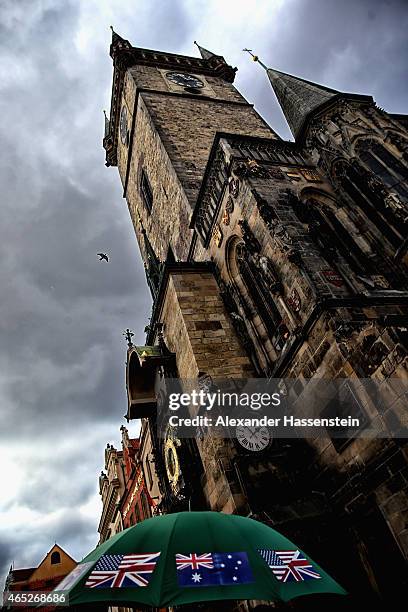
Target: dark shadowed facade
x=268, y=258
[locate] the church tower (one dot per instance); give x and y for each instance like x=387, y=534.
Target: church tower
x=269, y=258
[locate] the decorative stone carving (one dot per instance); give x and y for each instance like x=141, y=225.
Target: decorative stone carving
x=268, y=273
x=217, y=236
x=229, y=207
x=401, y=143
x=250, y=241
x=374, y=184
x=281, y=236
x=233, y=187
x=380, y=281
x=393, y=202
x=372, y=113
x=226, y=217
x=252, y=169
x=294, y=301
x=311, y=175
x=266, y=210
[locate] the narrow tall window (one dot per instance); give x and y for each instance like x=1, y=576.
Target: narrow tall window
x=146, y=191
x=389, y=169
x=357, y=182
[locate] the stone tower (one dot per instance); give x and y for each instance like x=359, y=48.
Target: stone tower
x=272, y=258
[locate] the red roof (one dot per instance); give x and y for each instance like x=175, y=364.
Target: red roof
x=22, y=574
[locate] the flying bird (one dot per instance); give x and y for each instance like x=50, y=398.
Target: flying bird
x=103, y=256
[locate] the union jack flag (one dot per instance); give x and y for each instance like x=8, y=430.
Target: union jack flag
x=289, y=565
x=122, y=571
x=194, y=561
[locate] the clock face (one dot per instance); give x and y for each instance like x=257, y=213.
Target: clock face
x=172, y=463
x=123, y=124
x=253, y=438
x=185, y=80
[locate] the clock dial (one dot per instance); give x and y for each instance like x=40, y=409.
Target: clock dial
x=185, y=80
x=171, y=460
x=253, y=438
x=123, y=124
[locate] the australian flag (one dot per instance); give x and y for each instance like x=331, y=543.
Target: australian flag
x=122, y=571
x=289, y=565
x=213, y=569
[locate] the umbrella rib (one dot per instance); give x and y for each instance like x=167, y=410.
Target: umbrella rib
x=169, y=542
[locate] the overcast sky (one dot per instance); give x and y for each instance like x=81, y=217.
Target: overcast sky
x=62, y=374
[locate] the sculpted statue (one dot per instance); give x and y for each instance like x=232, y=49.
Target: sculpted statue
x=269, y=276
x=393, y=202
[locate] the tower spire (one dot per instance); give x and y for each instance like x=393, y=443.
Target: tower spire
x=205, y=54
x=118, y=43
x=297, y=97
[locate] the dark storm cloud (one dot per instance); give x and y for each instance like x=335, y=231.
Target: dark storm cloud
x=353, y=46
x=62, y=392
x=28, y=547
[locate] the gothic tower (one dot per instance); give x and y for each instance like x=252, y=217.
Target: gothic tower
x=269, y=258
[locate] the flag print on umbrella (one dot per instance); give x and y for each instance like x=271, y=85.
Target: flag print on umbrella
x=289, y=565
x=173, y=577
x=209, y=569
x=122, y=571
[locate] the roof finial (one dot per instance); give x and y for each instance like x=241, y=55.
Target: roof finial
x=255, y=58
x=128, y=335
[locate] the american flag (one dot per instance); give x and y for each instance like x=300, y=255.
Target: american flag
x=122, y=571
x=194, y=561
x=289, y=565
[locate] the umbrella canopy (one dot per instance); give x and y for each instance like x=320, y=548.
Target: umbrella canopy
x=189, y=557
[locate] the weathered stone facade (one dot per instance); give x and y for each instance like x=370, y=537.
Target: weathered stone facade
x=276, y=259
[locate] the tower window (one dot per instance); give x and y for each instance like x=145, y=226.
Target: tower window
x=55, y=558
x=146, y=191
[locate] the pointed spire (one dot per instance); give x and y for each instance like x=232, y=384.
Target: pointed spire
x=297, y=97
x=118, y=43
x=107, y=124
x=117, y=39
x=205, y=54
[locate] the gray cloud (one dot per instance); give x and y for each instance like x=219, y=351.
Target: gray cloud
x=62, y=392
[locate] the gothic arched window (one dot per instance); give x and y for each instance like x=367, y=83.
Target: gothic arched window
x=260, y=283
x=367, y=191
x=332, y=238
x=385, y=166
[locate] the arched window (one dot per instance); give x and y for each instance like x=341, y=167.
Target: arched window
x=331, y=237
x=385, y=166
x=145, y=506
x=260, y=283
x=55, y=558
x=365, y=190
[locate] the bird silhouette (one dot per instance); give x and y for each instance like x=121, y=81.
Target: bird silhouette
x=103, y=256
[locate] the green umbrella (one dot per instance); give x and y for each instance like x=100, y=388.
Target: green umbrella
x=195, y=556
